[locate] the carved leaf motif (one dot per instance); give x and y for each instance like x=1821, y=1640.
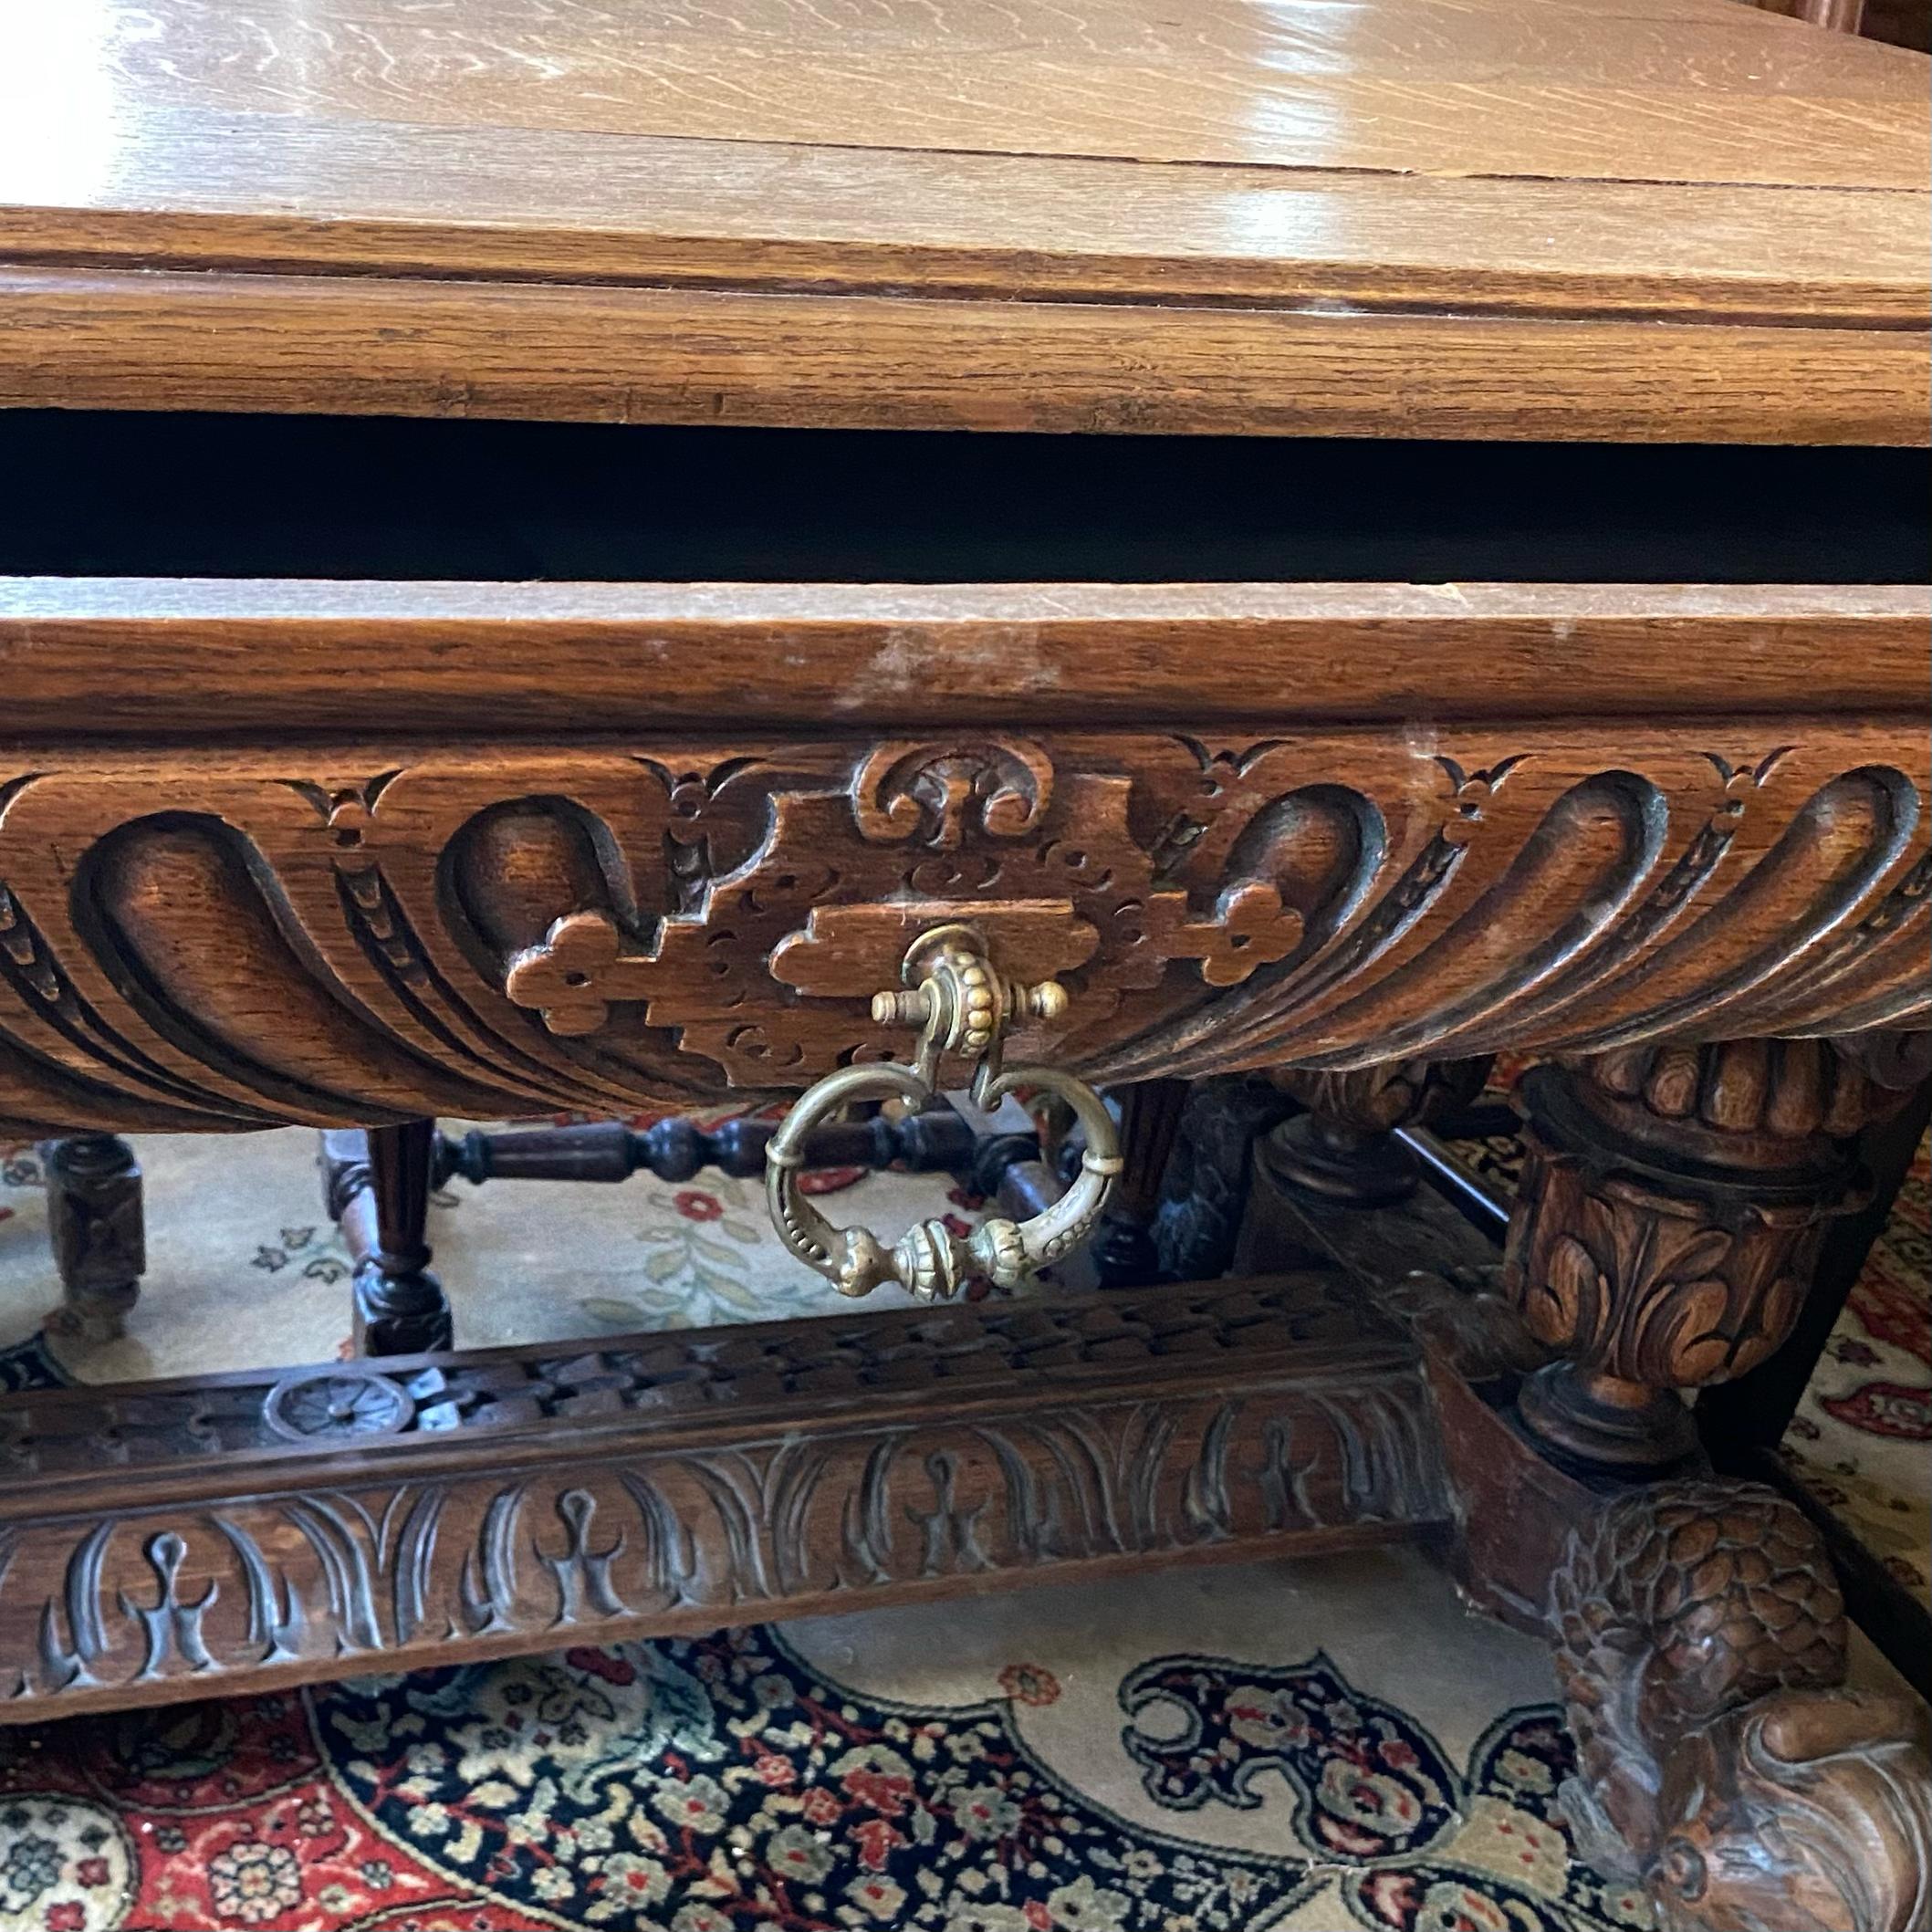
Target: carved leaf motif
x=341, y=947
x=1567, y=1307
x=1776, y=1313
x=1687, y=1341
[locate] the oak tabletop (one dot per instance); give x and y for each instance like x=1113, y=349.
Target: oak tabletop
x=1353, y=216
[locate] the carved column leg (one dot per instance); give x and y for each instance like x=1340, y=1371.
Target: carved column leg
x=1342, y=1151
x=1667, y=1226
x=1204, y=1200
x=377, y=1185
x=1123, y=1252
x=94, y=1221
x=1721, y=1764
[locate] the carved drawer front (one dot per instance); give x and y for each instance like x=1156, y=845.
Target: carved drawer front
x=312, y=925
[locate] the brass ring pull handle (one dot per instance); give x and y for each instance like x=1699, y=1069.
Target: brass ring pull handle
x=962, y=1005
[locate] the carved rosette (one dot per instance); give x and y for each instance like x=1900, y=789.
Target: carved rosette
x=1667, y=1225
x=1700, y=1644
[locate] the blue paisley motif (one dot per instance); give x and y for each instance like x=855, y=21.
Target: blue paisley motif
x=1367, y=1781
x=721, y=1786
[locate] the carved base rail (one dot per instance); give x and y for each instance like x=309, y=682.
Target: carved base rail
x=173, y=1539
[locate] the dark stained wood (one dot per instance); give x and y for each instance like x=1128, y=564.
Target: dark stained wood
x=357, y=853
x=1343, y=1150
x=95, y=1225
x=1700, y=1635
x=1700, y=1640
x=937, y=1139
x=167, y=1540
x=1740, y=1422
x=1436, y=1260
x=1685, y=221
x=1123, y=1250
x=181, y=659
x=376, y=1184
x=1204, y=1200
x=1701, y=1643
x=1885, y=1609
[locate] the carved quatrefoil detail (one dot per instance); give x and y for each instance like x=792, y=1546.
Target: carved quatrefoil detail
x=572, y=978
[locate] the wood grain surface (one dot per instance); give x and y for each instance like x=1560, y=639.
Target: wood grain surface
x=1660, y=91
x=1402, y=218
x=172, y=660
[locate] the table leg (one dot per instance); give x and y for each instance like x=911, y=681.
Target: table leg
x=1667, y=1226
x=1342, y=1151
x=1123, y=1253
x=376, y=1184
x=95, y=1223
x=1722, y=1764
x=1671, y=1213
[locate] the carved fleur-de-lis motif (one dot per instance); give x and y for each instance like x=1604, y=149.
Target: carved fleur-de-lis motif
x=349, y=811
x=581, y=1574
x=951, y=1531
x=1000, y=787
x=1473, y=792
x=171, y=1627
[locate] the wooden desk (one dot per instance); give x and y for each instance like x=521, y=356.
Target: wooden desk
x=1359, y=637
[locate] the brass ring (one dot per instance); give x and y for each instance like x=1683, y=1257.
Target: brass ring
x=929, y=1260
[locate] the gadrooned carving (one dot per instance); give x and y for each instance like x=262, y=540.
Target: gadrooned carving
x=288, y=935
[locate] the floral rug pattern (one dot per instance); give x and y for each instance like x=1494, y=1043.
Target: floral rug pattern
x=245, y=1271
x=726, y=1785
x=1859, y=1443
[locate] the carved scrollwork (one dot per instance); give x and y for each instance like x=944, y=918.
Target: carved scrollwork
x=930, y=792
x=301, y=936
